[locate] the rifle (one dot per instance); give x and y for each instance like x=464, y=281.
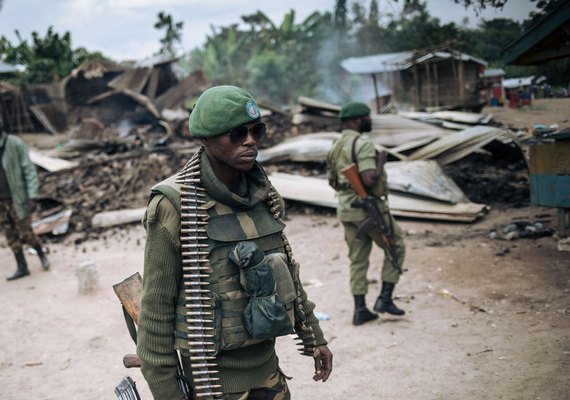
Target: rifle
x=129, y=292
x=375, y=218
x=127, y=389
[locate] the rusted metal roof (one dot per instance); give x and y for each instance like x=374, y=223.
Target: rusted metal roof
x=390, y=62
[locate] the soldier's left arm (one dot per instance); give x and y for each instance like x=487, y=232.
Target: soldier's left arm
x=322, y=355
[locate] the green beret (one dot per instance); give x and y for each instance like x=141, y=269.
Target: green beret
x=354, y=109
x=221, y=108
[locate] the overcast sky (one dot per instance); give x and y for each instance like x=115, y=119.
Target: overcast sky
x=123, y=29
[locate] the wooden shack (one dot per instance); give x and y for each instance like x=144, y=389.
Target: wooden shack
x=425, y=79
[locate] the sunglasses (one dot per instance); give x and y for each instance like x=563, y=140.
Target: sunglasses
x=238, y=135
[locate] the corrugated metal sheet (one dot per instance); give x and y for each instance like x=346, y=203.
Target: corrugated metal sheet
x=316, y=191
x=399, y=61
x=392, y=130
x=425, y=179
x=459, y=144
x=513, y=83
x=490, y=73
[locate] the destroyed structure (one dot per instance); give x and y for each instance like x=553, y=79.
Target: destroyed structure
x=121, y=129
x=437, y=77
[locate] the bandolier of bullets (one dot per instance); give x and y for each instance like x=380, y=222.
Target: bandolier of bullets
x=195, y=269
x=305, y=335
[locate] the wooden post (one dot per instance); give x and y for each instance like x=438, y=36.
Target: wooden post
x=461, y=71
x=416, y=90
x=436, y=79
x=376, y=93
x=428, y=85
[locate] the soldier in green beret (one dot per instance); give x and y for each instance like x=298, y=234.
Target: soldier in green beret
x=355, y=148
x=220, y=282
x=18, y=192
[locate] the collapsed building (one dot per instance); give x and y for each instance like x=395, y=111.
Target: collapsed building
x=123, y=128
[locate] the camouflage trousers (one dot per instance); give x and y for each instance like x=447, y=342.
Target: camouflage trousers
x=274, y=388
x=18, y=231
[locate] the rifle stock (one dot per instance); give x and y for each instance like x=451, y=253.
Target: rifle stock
x=353, y=177
x=129, y=292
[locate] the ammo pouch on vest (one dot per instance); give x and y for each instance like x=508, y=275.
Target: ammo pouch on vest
x=268, y=283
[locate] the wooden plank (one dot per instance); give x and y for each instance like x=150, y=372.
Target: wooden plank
x=321, y=105
x=132, y=79
x=117, y=217
x=49, y=163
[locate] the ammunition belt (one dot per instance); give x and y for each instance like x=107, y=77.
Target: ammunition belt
x=198, y=297
x=305, y=335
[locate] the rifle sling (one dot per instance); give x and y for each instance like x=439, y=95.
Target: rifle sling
x=130, y=325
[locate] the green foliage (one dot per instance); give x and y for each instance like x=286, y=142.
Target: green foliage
x=46, y=59
x=280, y=61
x=172, y=33
x=492, y=36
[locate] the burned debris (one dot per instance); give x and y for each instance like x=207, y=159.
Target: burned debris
x=121, y=128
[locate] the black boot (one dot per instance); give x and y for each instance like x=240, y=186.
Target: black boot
x=43, y=258
x=361, y=313
x=22, y=266
x=384, y=302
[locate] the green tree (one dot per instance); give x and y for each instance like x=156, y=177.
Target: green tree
x=340, y=14
x=492, y=36
x=46, y=59
x=224, y=56
x=172, y=33
x=479, y=5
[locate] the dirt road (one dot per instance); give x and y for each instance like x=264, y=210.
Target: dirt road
x=487, y=319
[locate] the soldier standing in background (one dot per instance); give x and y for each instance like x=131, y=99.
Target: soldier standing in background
x=18, y=190
x=354, y=148
x=219, y=282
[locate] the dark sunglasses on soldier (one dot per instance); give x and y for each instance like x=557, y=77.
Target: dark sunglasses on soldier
x=238, y=135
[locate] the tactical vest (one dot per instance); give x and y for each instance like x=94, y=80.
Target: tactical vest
x=224, y=228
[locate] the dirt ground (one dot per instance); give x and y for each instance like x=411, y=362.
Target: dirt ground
x=486, y=318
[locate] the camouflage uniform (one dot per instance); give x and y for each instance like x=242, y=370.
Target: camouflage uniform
x=18, y=230
x=274, y=388
x=18, y=186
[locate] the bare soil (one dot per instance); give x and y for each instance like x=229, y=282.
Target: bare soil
x=486, y=318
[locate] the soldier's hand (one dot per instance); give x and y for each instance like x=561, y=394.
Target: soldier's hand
x=323, y=363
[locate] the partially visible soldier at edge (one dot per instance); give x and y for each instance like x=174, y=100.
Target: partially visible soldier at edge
x=18, y=190
x=209, y=229
x=355, y=148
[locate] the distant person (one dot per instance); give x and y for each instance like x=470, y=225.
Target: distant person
x=18, y=190
x=219, y=282
x=353, y=147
